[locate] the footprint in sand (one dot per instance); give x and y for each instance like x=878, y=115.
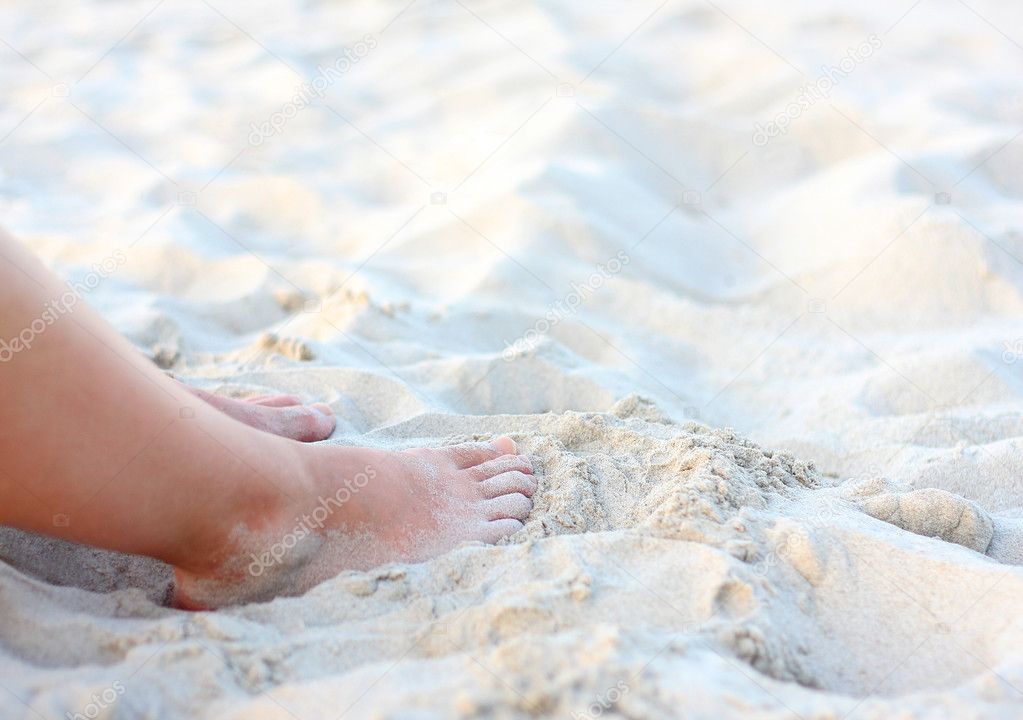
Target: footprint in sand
x=934, y=513
x=289, y=347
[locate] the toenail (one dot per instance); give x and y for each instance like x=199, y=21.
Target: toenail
x=323, y=409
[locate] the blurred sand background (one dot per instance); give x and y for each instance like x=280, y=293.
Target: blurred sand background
x=609, y=230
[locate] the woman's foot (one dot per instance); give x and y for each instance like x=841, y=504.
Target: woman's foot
x=283, y=415
x=356, y=508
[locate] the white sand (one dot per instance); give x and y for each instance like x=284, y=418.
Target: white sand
x=817, y=293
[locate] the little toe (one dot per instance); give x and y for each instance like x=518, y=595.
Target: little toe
x=508, y=483
x=494, y=530
x=514, y=506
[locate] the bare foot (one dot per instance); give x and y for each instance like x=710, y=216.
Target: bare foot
x=358, y=508
x=283, y=415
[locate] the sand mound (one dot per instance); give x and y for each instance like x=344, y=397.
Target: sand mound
x=658, y=554
x=934, y=513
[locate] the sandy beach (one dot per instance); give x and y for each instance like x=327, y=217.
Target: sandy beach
x=745, y=281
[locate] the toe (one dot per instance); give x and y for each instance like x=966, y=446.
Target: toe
x=506, y=445
x=324, y=408
x=276, y=400
x=503, y=464
x=507, y=483
x=309, y=424
x=497, y=529
x=515, y=506
x=471, y=454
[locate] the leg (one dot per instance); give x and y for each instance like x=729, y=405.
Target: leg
x=100, y=447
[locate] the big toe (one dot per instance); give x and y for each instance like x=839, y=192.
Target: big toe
x=469, y=455
x=505, y=445
x=308, y=424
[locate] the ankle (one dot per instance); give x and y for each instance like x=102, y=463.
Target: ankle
x=260, y=498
